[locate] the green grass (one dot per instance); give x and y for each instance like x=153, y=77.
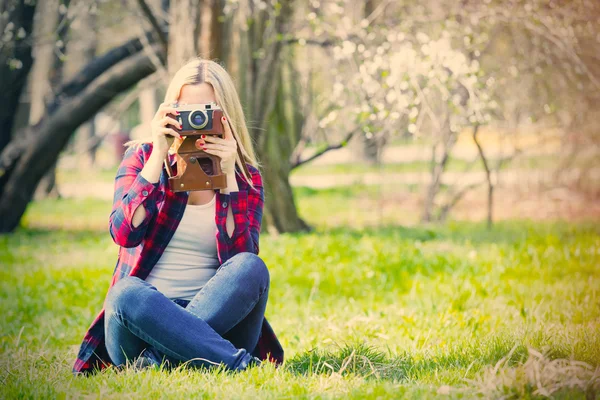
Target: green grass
x=362, y=311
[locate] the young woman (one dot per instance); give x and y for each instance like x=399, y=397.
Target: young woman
x=188, y=286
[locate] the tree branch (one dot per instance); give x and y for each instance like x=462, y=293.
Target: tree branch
x=162, y=36
x=445, y=209
x=97, y=67
x=343, y=143
x=311, y=42
x=79, y=108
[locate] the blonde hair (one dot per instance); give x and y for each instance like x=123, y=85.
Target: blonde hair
x=197, y=71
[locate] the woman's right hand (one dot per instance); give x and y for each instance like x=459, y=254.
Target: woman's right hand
x=162, y=135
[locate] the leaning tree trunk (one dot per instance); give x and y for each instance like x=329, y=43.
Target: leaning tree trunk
x=23, y=163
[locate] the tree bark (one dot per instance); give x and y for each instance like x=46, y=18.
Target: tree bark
x=15, y=61
x=184, y=33
x=283, y=134
x=46, y=140
x=47, y=73
x=87, y=31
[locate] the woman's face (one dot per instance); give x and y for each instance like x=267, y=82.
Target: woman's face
x=201, y=93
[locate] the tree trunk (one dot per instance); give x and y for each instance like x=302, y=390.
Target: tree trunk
x=437, y=171
x=271, y=95
x=447, y=139
x=15, y=61
x=44, y=141
x=283, y=134
x=235, y=40
x=185, y=24
x=46, y=75
x=87, y=32
x=488, y=177
x=369, y=147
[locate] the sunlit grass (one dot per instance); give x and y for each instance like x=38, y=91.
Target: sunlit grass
x=391, y=311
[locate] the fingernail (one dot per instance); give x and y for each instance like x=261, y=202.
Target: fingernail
x=177, y=112
x=203, y=136
x=204, y=148
x=224, y=119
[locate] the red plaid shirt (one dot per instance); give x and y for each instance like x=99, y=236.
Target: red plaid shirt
x=142, y=246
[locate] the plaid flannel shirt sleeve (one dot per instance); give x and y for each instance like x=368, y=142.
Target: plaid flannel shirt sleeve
x=131, y=191
x=247, y=208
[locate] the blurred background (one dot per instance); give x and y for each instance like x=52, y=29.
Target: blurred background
x=431, y=172
x=400, y=111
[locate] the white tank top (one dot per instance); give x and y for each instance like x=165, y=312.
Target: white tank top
x=190, y=259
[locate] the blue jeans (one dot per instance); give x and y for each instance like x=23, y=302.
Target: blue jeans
x=220, y=325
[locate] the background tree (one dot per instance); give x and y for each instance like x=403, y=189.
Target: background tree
x=34, y=149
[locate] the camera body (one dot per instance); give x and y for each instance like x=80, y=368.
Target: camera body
x=198, y=117
x=196, y=169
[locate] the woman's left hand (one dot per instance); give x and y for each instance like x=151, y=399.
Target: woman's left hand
x=225, y=149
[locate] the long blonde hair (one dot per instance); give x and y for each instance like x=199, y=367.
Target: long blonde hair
x=198, y=71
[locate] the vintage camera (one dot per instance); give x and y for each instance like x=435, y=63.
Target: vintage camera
x=196, y=169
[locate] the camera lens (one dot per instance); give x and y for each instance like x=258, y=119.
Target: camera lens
x=198, y=119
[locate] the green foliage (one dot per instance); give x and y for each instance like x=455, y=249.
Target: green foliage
x=392, y=311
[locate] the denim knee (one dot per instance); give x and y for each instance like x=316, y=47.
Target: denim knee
x=125, y=291
x=250, y=266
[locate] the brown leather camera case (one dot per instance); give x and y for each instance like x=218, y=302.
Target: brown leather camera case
x=190, y=175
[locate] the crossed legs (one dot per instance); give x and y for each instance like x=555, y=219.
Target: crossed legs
x=221, y=324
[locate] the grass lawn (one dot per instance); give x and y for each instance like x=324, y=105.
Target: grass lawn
x=393, y=312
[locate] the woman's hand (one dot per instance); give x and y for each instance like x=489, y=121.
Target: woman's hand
x=225, y=149
x=162, y=136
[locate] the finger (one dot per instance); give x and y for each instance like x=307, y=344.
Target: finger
x=218, y=153
x=163, y=111
x=171, y=121
x=226, y=128
x=170, y=132
x=218, y=140
x=218, y=147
